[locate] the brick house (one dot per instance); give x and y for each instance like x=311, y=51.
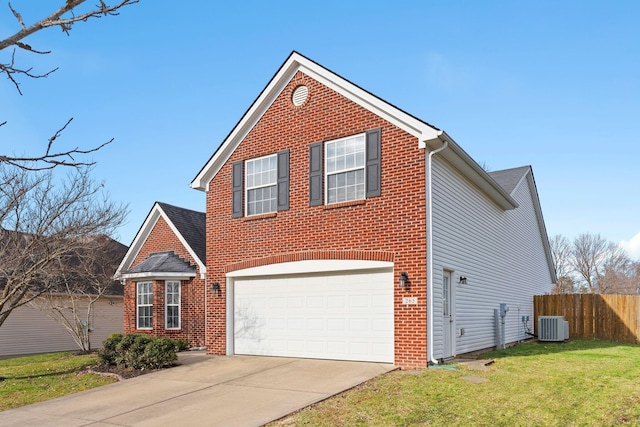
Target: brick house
x=338, y=226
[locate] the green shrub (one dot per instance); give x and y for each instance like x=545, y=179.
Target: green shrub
x=122, y=349
x=159, y=353
x=181, y=344
x=139, y=351
x=108, y=353
x=133, y=357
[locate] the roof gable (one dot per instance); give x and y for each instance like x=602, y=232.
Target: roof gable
x=191, y=225
x=187, y=225
x=294, y=63
x=427, y=135
x=510, y=180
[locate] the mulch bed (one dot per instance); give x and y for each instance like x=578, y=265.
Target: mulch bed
x=117, y=372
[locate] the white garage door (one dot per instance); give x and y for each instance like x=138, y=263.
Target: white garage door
x=322, y=316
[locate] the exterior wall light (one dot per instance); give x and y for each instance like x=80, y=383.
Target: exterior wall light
x=462, y=280
x=215, y=288
x=404, y=280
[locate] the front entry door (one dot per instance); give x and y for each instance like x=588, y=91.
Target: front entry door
x=447, y=316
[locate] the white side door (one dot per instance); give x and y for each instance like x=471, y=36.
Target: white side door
x=447, y=316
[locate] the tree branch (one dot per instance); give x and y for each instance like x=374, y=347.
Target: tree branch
x=50, y=160
x=55, y=19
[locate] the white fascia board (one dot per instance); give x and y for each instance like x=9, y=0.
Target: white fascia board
x=459, y=158
x=157, y=276
x=377, y=106
x=251, y=117
x=295, y=63
x=143, y=234
x=541, y=225
x=138, y=241
x=310, y=266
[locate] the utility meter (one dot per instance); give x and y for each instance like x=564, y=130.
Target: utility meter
x=503, y=309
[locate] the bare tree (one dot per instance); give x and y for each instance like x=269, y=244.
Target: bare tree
x=588, y=256
x=44, y=222
x=561, y=253
x=620, y=275
x=86, y=277
x=69, y=13
x=602, y=266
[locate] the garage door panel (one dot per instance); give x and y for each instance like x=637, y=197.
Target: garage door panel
x=359, y=302
x=317, y=347
x=336, y=302
x=315, y=302
x=295, y=303
x=335, y=316
x=316, y=324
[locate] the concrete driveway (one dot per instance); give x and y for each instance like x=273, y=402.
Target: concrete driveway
x=203, y=390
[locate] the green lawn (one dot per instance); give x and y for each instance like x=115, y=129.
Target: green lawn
x=579, y=383
x=33, y=379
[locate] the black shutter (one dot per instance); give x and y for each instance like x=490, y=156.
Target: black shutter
x=237, y=189
x=373, y=163
x=283, y=180
x=315, y=174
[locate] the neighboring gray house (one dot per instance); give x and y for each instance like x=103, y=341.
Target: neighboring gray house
x=29, y=330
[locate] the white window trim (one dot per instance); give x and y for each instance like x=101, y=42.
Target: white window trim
x=326, y=171
x=166, y=305
x=247, y=188
x=138, y=305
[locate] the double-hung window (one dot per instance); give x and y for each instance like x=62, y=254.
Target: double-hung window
x=172, y=305
x=144, y=305
x=261, y=185
x=345, y=169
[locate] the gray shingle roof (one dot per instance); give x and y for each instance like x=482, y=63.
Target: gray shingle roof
x=509, y=178
x=191, y=225
x=163, y=262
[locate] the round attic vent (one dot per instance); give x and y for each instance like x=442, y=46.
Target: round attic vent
x=300, y=95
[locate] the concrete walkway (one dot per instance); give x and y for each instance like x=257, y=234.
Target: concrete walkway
x=203, y=390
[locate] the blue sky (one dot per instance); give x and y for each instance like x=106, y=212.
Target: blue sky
x=552, y=84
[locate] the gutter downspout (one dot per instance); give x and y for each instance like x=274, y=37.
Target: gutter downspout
x=430, y=255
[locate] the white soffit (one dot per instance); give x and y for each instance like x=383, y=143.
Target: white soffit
x=139, y=240
x=157, y=276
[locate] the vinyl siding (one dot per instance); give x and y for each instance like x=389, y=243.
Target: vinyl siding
x=29, y=331
x=501, y=253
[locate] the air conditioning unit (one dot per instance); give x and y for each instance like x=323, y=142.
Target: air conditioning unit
x=552, y=328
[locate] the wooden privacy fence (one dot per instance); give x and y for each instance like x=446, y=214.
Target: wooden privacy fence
x=604, y=317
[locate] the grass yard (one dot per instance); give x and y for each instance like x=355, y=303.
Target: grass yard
x=579, y=383
x=32, y=379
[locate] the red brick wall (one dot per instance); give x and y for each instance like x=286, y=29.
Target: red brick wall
x=392, y=223
x=192, y=321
